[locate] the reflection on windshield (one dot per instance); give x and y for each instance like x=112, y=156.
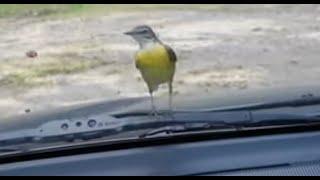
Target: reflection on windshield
x=57, y=56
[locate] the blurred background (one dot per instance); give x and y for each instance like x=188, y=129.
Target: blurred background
x=59, y=55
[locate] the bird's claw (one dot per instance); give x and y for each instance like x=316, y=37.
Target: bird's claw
x=154, y=115
x=161, y=116
x=170, y=115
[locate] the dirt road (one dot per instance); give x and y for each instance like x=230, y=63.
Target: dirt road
x=237, y=49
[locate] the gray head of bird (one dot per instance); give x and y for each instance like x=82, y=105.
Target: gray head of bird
x=143, y=34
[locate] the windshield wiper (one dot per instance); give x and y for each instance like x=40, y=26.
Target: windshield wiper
x=183, y=128
x=91, y=128
x=197, y=127
x=305, y=100
x=231, y=118
x=4, y=150
x=65, y=130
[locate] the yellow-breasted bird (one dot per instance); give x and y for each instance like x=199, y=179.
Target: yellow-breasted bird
x=155, y=60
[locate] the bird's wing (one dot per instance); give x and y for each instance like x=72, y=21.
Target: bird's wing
x=171, y=53
x=137, y=61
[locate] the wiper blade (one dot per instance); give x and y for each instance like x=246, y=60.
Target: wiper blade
x=5, y=150
x=196, y=127
x=183, y=128
x=91, y=128
x=305, y=100
x=71, y=130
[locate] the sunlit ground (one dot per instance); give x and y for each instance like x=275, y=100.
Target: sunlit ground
x=84, y=56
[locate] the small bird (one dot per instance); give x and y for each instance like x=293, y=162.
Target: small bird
x=155, y=60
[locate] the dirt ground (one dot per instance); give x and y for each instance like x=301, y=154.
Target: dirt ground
x=252, y=46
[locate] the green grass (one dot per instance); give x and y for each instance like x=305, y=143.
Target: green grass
x=25, y=73
x=67, y=10
x=76, y=10
x=32, y=9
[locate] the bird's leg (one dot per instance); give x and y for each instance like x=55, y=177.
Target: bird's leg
x=170, y=113
x=154, y=112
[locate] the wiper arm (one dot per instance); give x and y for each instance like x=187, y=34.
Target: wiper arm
x=183, y=128
x=272, y=120
x=299, y=102
x=5, y=150
x=70, y=130
x=305, y=100
x=121, y=122
x=66, y=130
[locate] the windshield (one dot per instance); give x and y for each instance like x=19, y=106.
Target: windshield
x=70, y=67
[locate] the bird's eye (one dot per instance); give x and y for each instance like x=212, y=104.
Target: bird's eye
x=144, y=31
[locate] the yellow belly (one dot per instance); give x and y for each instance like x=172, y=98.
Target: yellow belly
x=155, y=66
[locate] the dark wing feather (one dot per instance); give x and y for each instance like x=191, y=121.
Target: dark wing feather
x=137, y=62
x=171, y=53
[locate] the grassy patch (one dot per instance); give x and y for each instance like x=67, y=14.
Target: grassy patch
x=78, y=10
x=72, y=10
x=32, y=9
x=28, y=73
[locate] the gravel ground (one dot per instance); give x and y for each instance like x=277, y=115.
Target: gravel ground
x=252, y=46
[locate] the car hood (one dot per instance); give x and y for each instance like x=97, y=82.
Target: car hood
x=194, y=102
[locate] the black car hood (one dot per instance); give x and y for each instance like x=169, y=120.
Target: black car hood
x=196, y=102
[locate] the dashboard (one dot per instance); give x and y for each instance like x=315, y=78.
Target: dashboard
x=284, y=154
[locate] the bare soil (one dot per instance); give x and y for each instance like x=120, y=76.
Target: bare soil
x=257, y=47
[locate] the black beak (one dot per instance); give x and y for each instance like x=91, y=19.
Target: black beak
x=128, y=33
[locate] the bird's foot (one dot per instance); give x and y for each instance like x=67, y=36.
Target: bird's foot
x=154, y=115
x=170, y=115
